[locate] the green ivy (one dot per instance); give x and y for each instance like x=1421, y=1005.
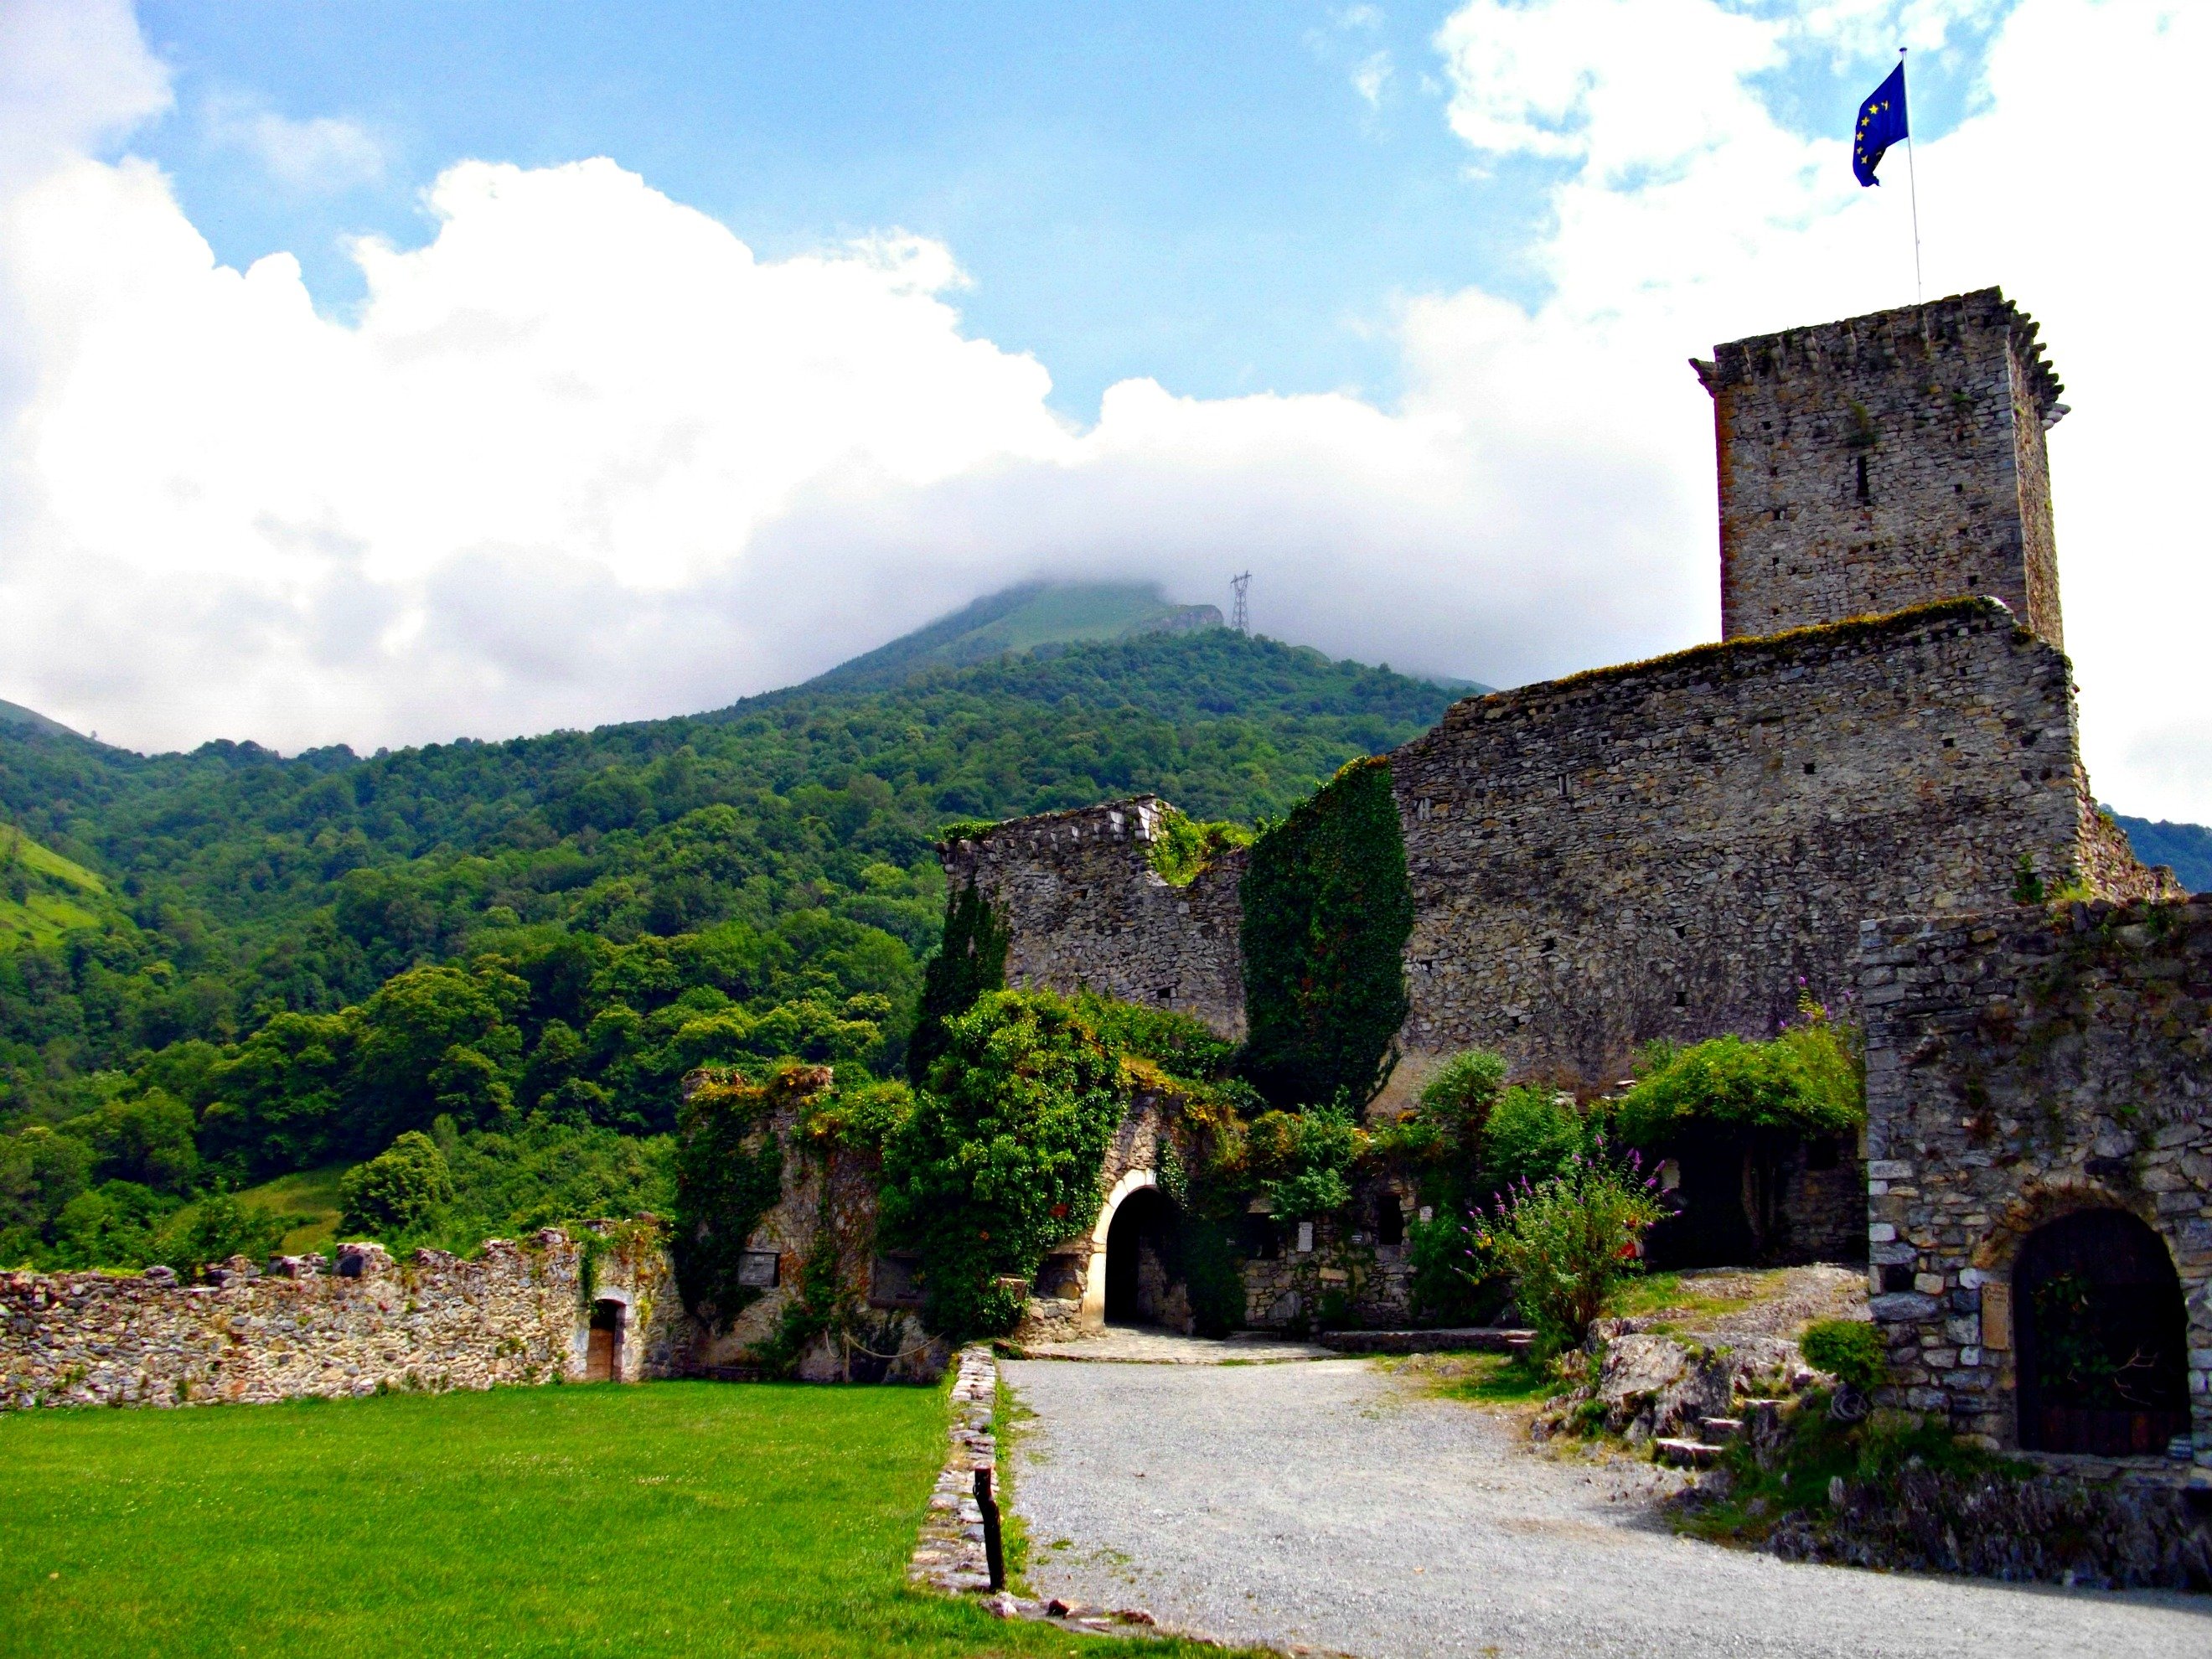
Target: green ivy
x=999, y=1159
x=971, y=960
x=729, y=1174
x=1328, y=909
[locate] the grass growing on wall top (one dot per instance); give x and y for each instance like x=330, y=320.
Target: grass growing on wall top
x=761, y=1520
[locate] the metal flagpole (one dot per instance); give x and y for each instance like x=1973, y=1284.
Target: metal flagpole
x=1912, y=177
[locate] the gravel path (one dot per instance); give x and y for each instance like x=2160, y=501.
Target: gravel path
x=1331, y=1505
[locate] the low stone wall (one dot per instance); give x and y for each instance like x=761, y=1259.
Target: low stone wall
x=514, y=1313
x=2023, y=1066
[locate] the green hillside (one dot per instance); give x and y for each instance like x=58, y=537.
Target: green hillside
x=255, y=981
x=1022, y=619
x=44, y=895
x=2186, y=847
x=14, y=714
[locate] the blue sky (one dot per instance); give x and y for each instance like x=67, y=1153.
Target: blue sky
x=1202, y=194
x=387, y=372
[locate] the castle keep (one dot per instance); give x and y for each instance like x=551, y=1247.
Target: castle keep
x=1674, y=847
x=1884, y=462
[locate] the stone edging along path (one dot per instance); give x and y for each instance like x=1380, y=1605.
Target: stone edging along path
x=949, y=1555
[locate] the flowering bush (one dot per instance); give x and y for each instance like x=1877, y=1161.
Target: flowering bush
x=1568, y=1242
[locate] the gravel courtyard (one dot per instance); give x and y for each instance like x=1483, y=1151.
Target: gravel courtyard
x=1329, y=1504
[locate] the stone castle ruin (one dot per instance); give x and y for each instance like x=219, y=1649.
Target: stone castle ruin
x=1673, y=847
x=1682, y=848
x=1869, y=791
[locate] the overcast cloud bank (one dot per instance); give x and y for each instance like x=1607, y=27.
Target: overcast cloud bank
x=582, y=456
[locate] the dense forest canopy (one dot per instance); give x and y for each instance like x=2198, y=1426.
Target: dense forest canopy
x=296, y=959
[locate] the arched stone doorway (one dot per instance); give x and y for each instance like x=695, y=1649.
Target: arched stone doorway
x=603, y=1342
x=2101, y=1338
x=1142, y=1262
x=1121, y=1240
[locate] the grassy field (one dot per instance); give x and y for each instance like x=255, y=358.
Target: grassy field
x=672, y=1518
x=310, y=1193
x=61, y=895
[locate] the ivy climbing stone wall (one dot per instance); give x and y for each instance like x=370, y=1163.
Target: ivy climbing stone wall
x=1085, y=911
x=517, y=1313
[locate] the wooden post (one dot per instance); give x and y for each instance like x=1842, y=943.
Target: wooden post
x=994, y=1548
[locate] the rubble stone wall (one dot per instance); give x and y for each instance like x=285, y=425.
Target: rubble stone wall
x=2021, y=1067
x=514, y=1313
x=1885, y=461
x=1673, y=848
x=1085, y=910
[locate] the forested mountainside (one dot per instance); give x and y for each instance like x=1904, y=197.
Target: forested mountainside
x=2187, y=847
x=232, y=963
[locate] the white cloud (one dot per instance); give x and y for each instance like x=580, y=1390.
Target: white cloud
x=1687, y=213
x=583, y=457
x=324, y=154
x=1369, y=79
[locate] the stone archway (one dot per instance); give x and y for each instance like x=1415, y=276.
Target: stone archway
x=1094, y=1283
x=1143, y=1264
x=2100, y=1335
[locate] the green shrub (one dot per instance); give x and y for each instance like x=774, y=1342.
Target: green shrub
x=1529, y=1135
x=1849, y=1349
x=1000, y=1157
x=1302, y=1160
x=1568, y=1243
x=1804, y=1082
x=1179, y=1045
x=1458, y=1097
x=218, y=1228
x=1326, y=912
x=398, y=1188
x=1183, y=846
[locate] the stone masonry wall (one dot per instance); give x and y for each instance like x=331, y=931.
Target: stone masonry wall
x=1884, y=462
x=1671, y=849
x=515, y=1314
x=1086, y=911
x=2022, y=1065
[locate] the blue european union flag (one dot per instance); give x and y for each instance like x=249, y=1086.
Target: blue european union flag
x=1881, y=124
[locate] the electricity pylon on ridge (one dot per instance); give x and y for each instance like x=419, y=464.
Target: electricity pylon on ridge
x=1239, y=618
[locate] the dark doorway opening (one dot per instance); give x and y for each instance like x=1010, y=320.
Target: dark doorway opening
x=2101, y=1334
x=1142, y=1260
x=603, y=1345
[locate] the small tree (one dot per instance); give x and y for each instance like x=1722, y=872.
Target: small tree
x=999, y=1158
x=396, y=1188
x=971, y=960
x=1568, y=1243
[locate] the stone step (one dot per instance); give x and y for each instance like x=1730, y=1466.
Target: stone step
x=1724, y=1428
x=1684, y=1454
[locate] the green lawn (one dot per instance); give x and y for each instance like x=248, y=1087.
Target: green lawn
x=675, y=1517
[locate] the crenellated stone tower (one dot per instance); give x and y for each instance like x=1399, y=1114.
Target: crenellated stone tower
x=1883, y=462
